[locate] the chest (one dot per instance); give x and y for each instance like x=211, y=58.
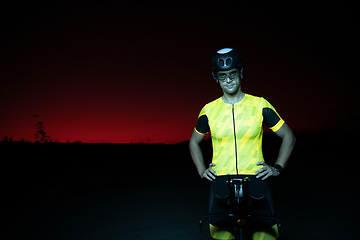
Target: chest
x=227, y=121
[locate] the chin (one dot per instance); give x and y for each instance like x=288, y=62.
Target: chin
x=232, y=91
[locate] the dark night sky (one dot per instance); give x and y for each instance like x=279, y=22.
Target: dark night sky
x=121, y=72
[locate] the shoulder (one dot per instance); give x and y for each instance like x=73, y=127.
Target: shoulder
x=216, y=101
x=251, y=97
x=258, y=99
x=207, y=107
x=213, y=103
x=255, y=100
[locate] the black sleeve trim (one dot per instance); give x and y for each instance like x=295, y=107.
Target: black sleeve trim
x=202, y=125
x=270, y=117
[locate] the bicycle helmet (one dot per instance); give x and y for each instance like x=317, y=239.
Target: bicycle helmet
x=226, y=59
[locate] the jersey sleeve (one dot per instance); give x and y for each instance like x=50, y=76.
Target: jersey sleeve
x=270, y=117
x=202, y=126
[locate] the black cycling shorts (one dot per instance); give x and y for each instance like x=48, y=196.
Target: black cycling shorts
x=257, y=188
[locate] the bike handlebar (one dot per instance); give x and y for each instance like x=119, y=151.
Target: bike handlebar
x=239, y=194
x=239, y=199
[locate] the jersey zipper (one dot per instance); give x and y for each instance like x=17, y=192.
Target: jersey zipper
x=233, y=115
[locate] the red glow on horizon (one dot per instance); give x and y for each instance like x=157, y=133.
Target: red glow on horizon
x=91, y=74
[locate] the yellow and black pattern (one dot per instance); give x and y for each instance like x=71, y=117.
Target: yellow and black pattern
x=236, y=132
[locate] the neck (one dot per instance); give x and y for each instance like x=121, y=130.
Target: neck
x=233, y=98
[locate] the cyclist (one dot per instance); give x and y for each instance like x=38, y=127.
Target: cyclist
x=235, y=122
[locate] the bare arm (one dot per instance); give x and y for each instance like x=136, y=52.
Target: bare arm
x=198, y=158
x=287, y=145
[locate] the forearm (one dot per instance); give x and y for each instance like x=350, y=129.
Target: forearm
x=286, y=148
x=197, y=157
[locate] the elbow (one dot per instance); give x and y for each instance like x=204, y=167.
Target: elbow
x=293, y=137
x=289, y=138
x=192, y=144
x=292, y=140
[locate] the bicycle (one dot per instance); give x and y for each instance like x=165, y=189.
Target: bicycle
x=240, y=200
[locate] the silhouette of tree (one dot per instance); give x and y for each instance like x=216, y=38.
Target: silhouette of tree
x=40, y=135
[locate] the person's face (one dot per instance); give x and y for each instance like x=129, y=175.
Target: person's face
x=229, y=80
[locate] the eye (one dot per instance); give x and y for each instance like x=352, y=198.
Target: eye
x=222, y=76
x=233, y=74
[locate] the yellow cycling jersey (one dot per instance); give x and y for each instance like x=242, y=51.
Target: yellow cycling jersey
x=236, y=132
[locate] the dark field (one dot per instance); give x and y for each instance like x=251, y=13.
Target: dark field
x=152, y=191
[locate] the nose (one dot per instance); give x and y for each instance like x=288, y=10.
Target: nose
x=228, y=79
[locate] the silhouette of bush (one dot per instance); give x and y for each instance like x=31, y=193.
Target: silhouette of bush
x=40, y=135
